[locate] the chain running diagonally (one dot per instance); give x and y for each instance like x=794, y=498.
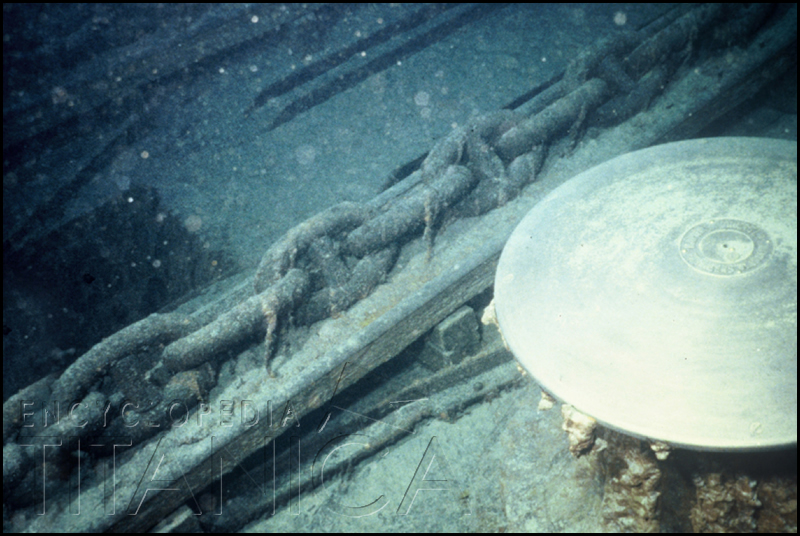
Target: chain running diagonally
x=324, y=265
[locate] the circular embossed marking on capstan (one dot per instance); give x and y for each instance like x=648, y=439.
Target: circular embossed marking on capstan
x=725, y=247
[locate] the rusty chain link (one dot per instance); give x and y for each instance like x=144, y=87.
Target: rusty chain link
x=325, y=264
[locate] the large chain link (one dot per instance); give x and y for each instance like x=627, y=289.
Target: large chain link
x=325, y=264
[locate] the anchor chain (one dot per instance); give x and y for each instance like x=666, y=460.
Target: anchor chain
x=348, y=249
x=324, y=265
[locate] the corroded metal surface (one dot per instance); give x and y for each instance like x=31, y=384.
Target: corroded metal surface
x=232, y=331
x=658, y=293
